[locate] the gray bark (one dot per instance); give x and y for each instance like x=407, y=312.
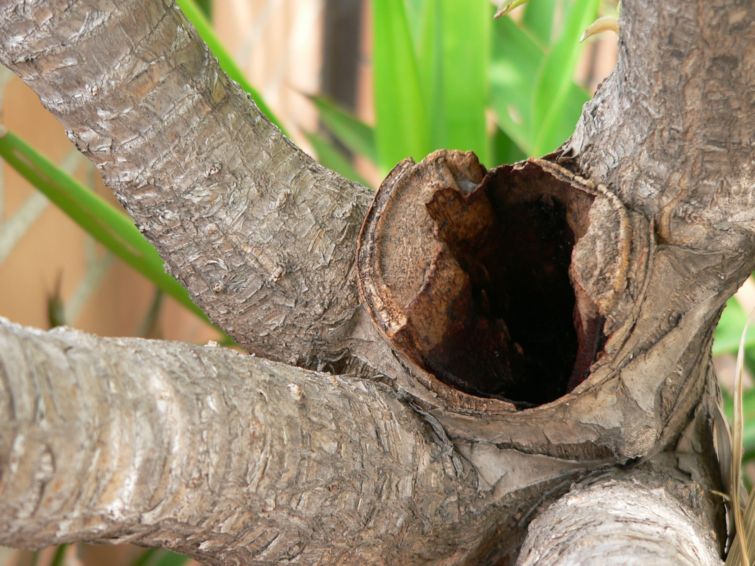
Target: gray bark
x=260, y=234
x=618, y=523
x=227, y=457
x=160, y=443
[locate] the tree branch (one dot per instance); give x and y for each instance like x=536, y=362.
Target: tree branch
x=262, y=236
x=618, y=522
x=327, y=468
x=226, y=457
x=671, y=130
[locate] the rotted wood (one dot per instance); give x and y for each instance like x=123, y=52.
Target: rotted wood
x=484, y=300
x=506, y=294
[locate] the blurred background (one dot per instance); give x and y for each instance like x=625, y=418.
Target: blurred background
x=359, y=85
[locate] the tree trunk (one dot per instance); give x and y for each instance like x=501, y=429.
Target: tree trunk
x=592, y=410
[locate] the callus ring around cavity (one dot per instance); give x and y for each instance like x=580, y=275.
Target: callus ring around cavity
x=467, y=273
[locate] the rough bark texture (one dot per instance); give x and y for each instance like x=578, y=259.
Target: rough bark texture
x=638, y=143
x=230, y=458
x=164, y=444
x=618, y=523
x=671, y=130
x=261, y=235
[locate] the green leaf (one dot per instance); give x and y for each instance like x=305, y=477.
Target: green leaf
x=726, y=340
x=194, y=14
x=206, y=8
x=729, y=330
x=103, y=222
x=571, y=109
x=415, y=10
x=60, y=555
x=748, y=407
x=750, y=360
x=56, y=310
x=160, y=557
x=168, y=558
x=516, y=58
x=149, y=325
x=505, y=7
x=453, y=59
x=350, y=131
x=402, y=121
x=538, y=19
x=333, y=159
x=555, y=77
x=145, y=557
x=504, y=149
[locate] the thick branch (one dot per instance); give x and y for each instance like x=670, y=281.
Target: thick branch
x=261, y=235
x=226, y=457
x=618, y=522
x=671, y=130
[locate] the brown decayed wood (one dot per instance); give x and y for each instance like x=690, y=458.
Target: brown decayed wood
x=467, y=273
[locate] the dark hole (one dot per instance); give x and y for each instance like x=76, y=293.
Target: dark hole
x=514, y=332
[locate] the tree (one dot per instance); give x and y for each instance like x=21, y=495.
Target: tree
x=355, y=434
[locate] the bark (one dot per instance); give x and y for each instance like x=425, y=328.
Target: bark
x=656, y=192
x=671, y=129
x=229, y=458
x=661, y=307
x=669, y=133
x=261, y=235
x=618, y=523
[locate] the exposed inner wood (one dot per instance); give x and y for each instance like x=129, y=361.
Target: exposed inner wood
x=483, y=298
x=513, y=330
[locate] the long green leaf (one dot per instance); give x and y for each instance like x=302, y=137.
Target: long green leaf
x=206, y=8
x=60, y=555
x=427, y=30
x=415, y=10
x=516, y=58
x=748, y=439
x=504, y=149
x=748, y=407
x=168, y=558
x=194, y=14
x=562, y=125
x=102, y=221
x=729, y=329
x=538, y=19
x=453, y=58
x=350, y=130
x=334, y=159
x=402, y=121
x=555, y=77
